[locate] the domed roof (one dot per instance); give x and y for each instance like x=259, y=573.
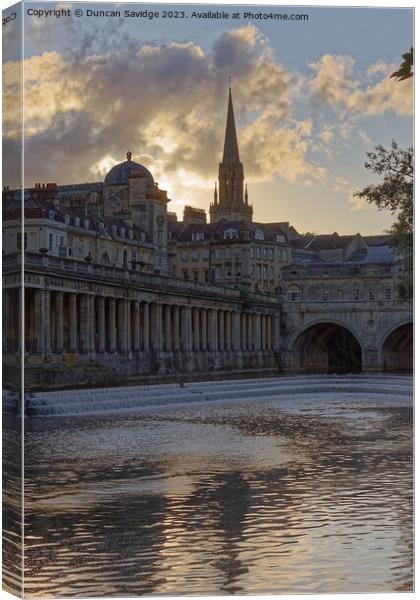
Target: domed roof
x=118, y=175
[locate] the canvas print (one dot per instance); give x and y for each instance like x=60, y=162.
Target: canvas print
x=207, y=299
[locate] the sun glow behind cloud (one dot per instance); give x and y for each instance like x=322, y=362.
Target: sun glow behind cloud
x=166, y=102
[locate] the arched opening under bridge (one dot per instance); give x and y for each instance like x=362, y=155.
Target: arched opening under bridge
x=397, y=350
x=328, y=348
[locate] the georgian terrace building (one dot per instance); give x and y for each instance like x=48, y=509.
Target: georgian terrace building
x=117, y=289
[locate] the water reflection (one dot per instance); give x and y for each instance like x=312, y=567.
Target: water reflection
x=245, y=497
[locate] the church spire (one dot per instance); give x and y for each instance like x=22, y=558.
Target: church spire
x=230, y=203
x=231, y=151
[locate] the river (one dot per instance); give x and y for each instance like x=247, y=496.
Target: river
x=297, y=495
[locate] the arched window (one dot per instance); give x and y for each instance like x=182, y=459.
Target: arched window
x=293, y=293
x=104, y=259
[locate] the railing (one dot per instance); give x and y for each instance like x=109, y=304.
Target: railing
x=122, y=276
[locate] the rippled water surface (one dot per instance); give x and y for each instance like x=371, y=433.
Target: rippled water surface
x=303, y=495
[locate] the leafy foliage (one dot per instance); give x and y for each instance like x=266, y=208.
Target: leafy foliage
x=395, y=193
x=246, y=297
x=406, y=68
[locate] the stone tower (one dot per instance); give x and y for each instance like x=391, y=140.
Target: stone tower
x=231, y=203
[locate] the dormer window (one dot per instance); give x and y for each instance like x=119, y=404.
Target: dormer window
x=66, y=219
x=195, y=237
x=51, y=214
x=259, y=235
x=77, y=222
x=280, y=237
x=122, y=232
x=114, y=230
x=86, y=223
x=231, y=234
x=130, y=234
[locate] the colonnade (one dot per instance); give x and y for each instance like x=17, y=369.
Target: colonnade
x=57, y=322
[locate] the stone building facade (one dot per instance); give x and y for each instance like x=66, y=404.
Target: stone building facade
x=116, y=289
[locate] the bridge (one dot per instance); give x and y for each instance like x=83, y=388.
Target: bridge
x=334, y=337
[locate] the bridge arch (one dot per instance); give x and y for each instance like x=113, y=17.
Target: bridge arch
x=328, y=346
x=397, y=348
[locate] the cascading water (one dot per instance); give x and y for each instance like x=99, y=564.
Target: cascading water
x=134, y=398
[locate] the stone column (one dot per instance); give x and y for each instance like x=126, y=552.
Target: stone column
x=168, y=328
x=263, y=332
x=92, y=324
x=214, y=330
x=127, y=305
x=276, y=333
x=156, y=325
x=101, y=325
x=121, y=328
x=136, y=326
x=84, y=323
x=59, y=322
x=236, y=331
x=39, y=325
x=196, y=329
x=243, y=332
x=221, y=316
x=186, y=336
x=249, y=332
x=269, y=333
x=257, y=332
x=146, y=326
x=228, y=319
x=175, y=328
x=111, y=326
x=73, y=322
x=203, y=322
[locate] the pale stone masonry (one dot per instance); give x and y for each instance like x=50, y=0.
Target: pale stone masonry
x=116, y=289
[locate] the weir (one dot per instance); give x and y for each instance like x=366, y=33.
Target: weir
x=104, y=401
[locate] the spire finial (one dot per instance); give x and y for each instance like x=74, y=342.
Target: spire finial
x=230, y=151
x=246, y=193
x=129, y=155
x=230, y=82
x=215, y=192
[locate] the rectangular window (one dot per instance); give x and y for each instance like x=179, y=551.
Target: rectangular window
x=50, y=241
x=229, y=253
x=195, y=275
x=271, y=273
x=206, y=276
x=218, y=253
x=184, y=255
x=371, y=295
x=258, y=252
x=258, y=271
x=205, y=255
x=387, y=293
x=325, y=295
x=185, y=274
x=271, y=254
x=356, y=294
x=195, y=255
x=252, y=251
x=265, y=253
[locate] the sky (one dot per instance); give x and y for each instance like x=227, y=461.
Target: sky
x=310, y=98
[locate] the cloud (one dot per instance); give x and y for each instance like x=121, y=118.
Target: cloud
x=167, y=104
x=337, y=84
x=356, y=203
x=341, y=184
